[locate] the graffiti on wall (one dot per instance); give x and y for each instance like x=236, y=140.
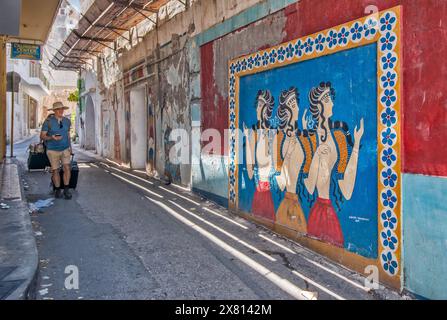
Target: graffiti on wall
x=151, y=133
x=315, y=137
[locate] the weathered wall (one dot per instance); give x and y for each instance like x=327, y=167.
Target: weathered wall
x=188, y=89
x=423, y=100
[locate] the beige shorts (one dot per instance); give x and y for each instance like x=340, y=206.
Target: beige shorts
x=56, y=157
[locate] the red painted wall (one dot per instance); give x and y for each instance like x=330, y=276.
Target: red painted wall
x=424, y=48
x=214, y=106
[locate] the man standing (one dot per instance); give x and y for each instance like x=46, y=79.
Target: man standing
x=56, y=135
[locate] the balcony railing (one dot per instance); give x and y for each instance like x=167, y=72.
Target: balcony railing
x=35, y=71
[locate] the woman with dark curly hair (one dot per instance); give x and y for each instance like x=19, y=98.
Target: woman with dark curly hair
x=334, y=166
x=259, y=156
x=290, y=213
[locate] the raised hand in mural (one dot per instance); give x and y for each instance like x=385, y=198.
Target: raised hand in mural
x=358, y=134
x=348, y=183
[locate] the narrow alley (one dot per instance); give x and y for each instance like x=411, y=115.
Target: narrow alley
x=136, y=238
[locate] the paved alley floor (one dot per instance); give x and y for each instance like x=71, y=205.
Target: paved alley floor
x=129, y=237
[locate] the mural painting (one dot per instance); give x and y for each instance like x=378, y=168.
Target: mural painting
x=151, y=133
x=317, y=150
x=116, y=134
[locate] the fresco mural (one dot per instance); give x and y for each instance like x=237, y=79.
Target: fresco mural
x=315, y=136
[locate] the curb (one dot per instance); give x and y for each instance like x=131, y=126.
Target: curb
x=18, y=246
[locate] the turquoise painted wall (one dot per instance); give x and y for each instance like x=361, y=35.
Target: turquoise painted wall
x=425, y=235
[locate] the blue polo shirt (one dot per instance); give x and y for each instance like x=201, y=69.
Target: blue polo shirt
x=53, y=127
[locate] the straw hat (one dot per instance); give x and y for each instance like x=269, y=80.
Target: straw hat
x=58, y=105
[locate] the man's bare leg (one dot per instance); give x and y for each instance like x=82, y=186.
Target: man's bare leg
x=56, y=181
x=67, y=175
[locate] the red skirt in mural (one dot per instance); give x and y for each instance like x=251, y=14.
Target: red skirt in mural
x=323, y=223
x=262, y=202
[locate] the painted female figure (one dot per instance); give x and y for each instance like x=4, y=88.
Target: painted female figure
x=259, y=156
x=334, y=165
x=290, y=213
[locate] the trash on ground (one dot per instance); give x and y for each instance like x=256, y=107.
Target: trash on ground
x=38, y=205
x=38, y=233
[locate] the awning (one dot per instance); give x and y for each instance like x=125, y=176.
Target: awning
x=100, y=26
x=36, y=20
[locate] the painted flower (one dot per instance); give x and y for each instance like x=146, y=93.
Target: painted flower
x=281, y=54
x=233, y=142
x=388, y=137
x=257, y=60
x=388, y=41
x=232, y=92
x=273, y=55
x=343, y=36
x=299, y=49
x=389, y=220
x=232, y=195
x=357, y=31
x=238, y=66
x=389, y=178
x=389, y=80
x=308, y=46
x=233, y=68
x=244, y=65
x=388, y=156
x=232, y=81
x=389, y=117
x=387, y=22
x=265, y=59
x=332, y=39
x=232, y=115
x=389, y=264
x=232, y=178
x=389, y=61
x=370, y=28
x=290, y=50
x=250, y=62
x=319, y=42
x=389, y=199
x=389, y=240
x=389, y=97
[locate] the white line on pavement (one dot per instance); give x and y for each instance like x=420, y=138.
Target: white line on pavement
x=282, y=283
x=338, y=275
x=129, y=174
x=225, y=232
x=223, y=217
x=137, y=185
x=277, y=244
x=319, y=286
x=178, y=195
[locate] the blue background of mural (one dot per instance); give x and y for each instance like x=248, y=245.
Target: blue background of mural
x=353, y=74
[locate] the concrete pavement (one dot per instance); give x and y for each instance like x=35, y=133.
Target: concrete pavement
x=129, y=237
x=18, y=251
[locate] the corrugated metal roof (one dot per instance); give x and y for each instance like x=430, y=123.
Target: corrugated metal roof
x=100, y=26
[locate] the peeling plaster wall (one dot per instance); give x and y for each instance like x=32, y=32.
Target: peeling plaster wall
x=424, y=115
x=190, y=91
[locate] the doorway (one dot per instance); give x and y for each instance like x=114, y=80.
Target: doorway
x=138, y=128
x=90, y=126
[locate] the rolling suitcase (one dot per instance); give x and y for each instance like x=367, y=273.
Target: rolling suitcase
x=74, y=174
x=37, y=158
